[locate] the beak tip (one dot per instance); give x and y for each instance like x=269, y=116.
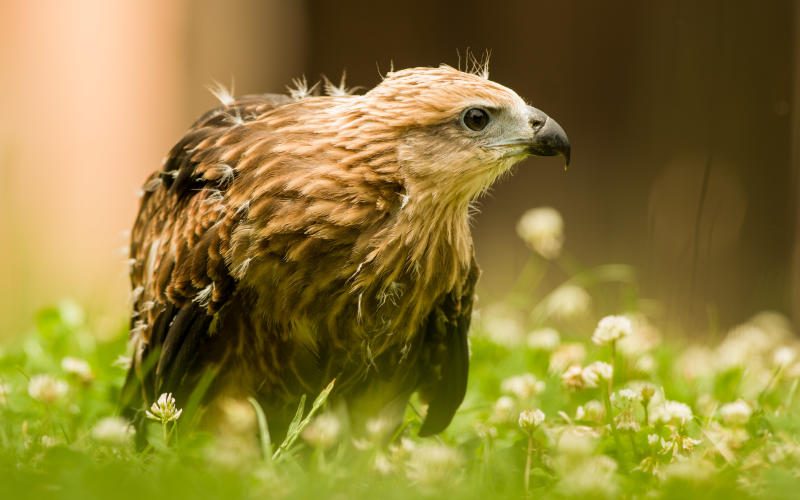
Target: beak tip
x=550, y=139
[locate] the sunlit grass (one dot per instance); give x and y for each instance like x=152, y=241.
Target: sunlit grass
x=557, y=406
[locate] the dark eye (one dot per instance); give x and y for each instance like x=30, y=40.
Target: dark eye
x=476, y=119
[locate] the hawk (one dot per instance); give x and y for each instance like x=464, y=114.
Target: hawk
x=288, y=241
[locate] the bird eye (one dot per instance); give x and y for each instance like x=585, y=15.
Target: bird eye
x=475, y=119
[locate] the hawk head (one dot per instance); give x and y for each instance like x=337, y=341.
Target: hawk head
x=458, y=130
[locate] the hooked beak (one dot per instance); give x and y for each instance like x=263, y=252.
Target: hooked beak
x=549, y=139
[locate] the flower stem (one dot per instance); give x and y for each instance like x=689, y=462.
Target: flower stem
x=528, y=465
x=613, y=364
x=610, y=418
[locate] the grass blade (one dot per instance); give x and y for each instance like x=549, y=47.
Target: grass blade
x=299, y=423
x=263, y=430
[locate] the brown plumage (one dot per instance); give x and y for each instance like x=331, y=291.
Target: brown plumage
x=287, y=241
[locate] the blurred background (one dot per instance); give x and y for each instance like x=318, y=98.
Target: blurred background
x=684, y=119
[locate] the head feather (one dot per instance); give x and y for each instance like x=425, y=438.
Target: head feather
x=222, y=93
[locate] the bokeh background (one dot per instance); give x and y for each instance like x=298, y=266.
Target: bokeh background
x=684, y=118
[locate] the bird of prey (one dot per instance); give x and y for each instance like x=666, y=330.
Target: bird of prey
x=289, y=240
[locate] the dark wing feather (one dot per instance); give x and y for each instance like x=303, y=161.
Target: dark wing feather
x=189, y=328
x=446, y=332
x=178, y=243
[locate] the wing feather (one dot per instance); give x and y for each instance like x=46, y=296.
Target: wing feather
x=178, y=242
x=446, y=332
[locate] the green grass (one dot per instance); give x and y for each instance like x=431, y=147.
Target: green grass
x=51, y=445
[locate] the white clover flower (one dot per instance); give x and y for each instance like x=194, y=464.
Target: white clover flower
x=380, y=428
x=71, y=313
x=46, y=388
x=592, y=410
x=592, y=477
x=678, y=443
x=644, y=337
x=732, y=353
x=504, y=408
x=696, y=362
x=726, y=440
x=755, y=377
x=400, y=452
x=545, y=339
x=485, y=431
x=529, y=420
x=612, y=328
x=736, y=413
x=625, y=396
x=785, y=451
x=568, y=301
x=114, y=431
x=706, y=405
x=646, y=391
x=323, y=432
x=784, y=356
x=589, y=377
x=543, y=231
x=382, y=465
x=236, y=417
x=742, y=345
x=672, y=411
x=646, y=364
x=77, y=367
x=576, y=442
x=758, y=337
x=653, y=439
x=625, y=421
x=502, y=326
x=432, y=464
x=566, y=355
x=598, y=369
x=164, y=409
x=522, y=386
x=573, y=379
x=776, y=324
